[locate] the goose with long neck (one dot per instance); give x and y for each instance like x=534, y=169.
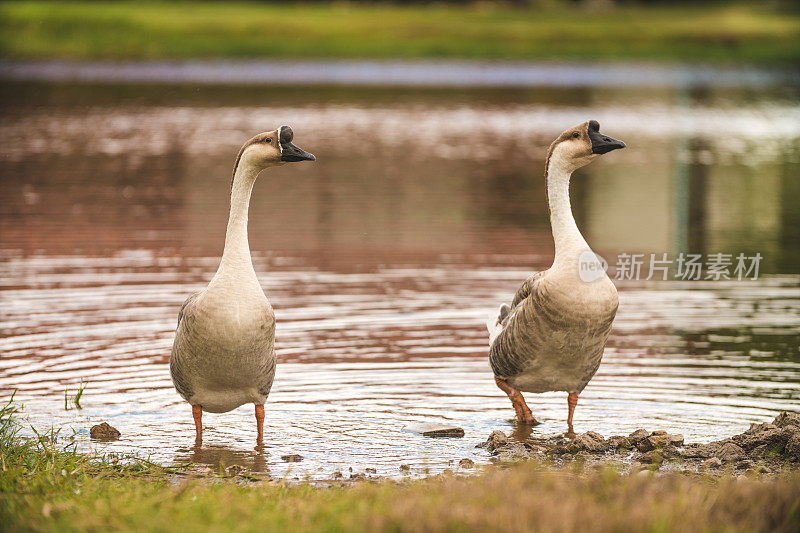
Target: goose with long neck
x=552, y=336
x=224, y=350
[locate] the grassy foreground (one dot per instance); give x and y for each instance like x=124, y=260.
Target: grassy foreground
x=753, y=33
x=43, y=488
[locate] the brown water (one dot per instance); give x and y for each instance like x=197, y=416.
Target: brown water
x=424, y=211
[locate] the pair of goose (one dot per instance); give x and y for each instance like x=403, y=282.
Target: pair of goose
x=551, y=337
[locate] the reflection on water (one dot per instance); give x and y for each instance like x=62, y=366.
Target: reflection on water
x=424, y=211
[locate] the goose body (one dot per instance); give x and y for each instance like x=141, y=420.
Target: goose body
x=552, y=336
x=223, y=355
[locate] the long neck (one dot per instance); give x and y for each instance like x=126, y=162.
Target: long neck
x=236, y=256
x=568, y=239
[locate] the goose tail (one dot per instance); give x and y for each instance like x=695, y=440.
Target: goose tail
x=495, y=322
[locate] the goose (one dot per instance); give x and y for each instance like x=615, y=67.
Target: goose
x=223, y=355
x=552, y=336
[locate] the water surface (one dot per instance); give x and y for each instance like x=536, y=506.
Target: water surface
x=424, y=212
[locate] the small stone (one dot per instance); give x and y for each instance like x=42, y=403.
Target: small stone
x=651, y=443
x=466, y=463
x=337, y=475
x=618, y=441
x=496, y=440
x=659, y=433
x=638, y=435
x=669, y=451
x=104, y=432
x=651, y=457
x=234, y=470
x=590, y=442
x=405, y=468
x=713, y=462
x=370, y=471
x=292, y=458
x=700, y=451
x=358, y=476
x=436, y=430
x=675, y=439
x=744, y=464
x=729, y=452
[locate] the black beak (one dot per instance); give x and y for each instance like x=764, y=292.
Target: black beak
x=289, y=152
x=602, y=144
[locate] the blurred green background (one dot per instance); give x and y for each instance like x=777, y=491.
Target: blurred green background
x=720, y=32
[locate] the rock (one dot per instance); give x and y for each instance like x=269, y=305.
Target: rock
x=358, y=476
x=105, y=432
x=760, y=452
x=700, y=451
x=466, y=463
x=337, y=475
x=514, y=451
x=714, y=462
x=651, y=457
x=292, y=458
x=234, y=470
x=638, y=435
x=730, y=451
x=618, y=441
x=758, y=428
x=405, y=468
x=589, y=442
x=761, y=434
x=744, y=464
x=370, y=471
x=496, y=440
x=787, y=419
x=675, y=439
x=792, y=450
x=436, y=430
x=669, y=451
x=659, y=433
x=651, y=443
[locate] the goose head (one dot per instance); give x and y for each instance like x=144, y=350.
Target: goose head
x=272, y=148
x=582, y=144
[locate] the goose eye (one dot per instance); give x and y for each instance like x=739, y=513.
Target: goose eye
x=576, y=135
x=269, y=140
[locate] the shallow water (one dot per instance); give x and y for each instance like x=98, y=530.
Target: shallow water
x=424, y=211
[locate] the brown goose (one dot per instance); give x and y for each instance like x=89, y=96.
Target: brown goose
x=552, y=336
x=224, y=354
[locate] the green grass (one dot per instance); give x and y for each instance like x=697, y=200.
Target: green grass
x=151, y=30
x=46, y=488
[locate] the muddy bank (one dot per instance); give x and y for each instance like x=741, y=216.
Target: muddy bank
x=764, y=448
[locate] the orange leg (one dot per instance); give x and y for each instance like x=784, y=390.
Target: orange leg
x=572, y=401
x=524, y=415
x=197, y=413
x=260, y=423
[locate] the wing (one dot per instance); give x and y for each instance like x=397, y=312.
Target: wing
x=496, y=322
x=504, y=359
x=187, y=305
x=175, y=367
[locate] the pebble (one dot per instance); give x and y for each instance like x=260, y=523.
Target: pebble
x=292, y=458
x=104, y=431
x=466, y=463
x=436, y=430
